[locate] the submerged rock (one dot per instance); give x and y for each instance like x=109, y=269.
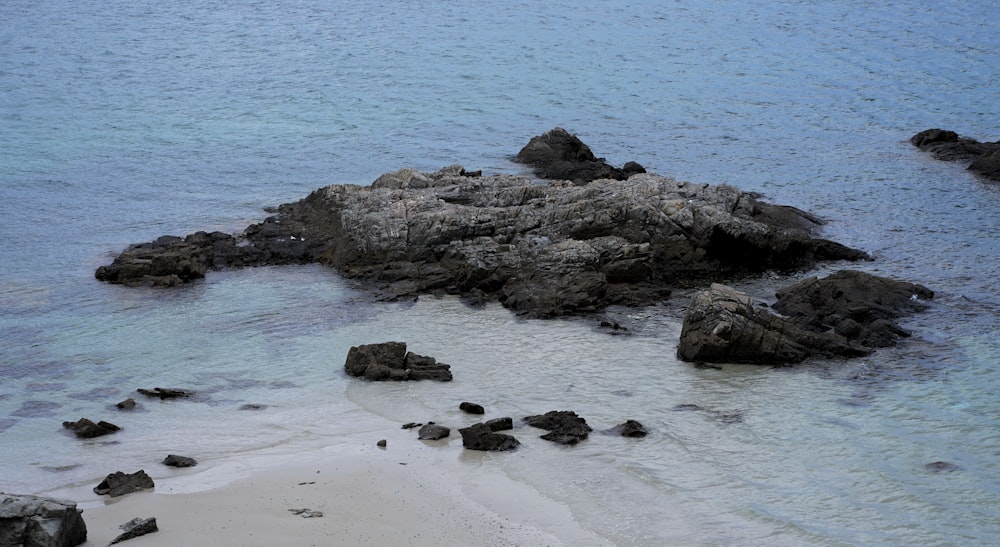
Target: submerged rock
x=846, y=314
x=174, y=460
x=630, y=428
x=391, y=361
x=33, y=520
x=164, y=393
x=540, y=249
x=949, y=146
x=119, y=483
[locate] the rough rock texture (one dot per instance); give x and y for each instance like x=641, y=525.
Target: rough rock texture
x=135, y=528
x=564, y=426
x=559, y=155
x=846, y=314
x=500, y=424
x=173, y=460
x=391, y=361
x=949, y=146
x=40, y=522
x=433, y=432
x=482, y=437
x=119, y=483
x=87, y=429
x=540, y=249
x=857, y=305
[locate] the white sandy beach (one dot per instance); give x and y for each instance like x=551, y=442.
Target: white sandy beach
x=401, y=495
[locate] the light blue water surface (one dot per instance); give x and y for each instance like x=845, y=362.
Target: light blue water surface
x=121, y=122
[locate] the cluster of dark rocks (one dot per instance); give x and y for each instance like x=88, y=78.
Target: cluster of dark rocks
x=391, y=361
x=846, y=314
x=983, y=157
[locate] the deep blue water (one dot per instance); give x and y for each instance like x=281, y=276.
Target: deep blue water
x=120, y=122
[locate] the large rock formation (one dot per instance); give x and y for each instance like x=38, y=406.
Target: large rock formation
x=846, y=314
x=540, y=249
x=949, y=146
x=41, y=522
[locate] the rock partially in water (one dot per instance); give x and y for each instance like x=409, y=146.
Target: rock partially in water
x=846, y=314
x=119, y=483
x=482, y=437
x=942, y=467
x=135, y=528
x=564, y=426
x=174, y=460
x=630, y=428
x=127, y=404
x=472, y=408
x=560, y=155
x=164, y=393
x=87, y=429
x=433, y=432
x=949, y=146
x=391, y=361
x=40, y=521
x=500, y=424
x=540, y=249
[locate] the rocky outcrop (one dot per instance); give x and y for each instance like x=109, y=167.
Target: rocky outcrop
x=540, y=249
x=846, y=314
x=564, y=426
x=559, y=155
x=87, y=429
x=391, y=361
x=119, y=483
x=949, y=146
x=164, y=393
x=630, y=428
x=39, y=521
x=482, y=437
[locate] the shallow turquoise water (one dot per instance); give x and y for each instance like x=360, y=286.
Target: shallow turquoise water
x=120, y=123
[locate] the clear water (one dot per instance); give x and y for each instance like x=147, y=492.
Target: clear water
x=120, y=122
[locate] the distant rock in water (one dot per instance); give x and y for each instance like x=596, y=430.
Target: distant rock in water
x=846, y=314
x=559, y=155
x=949, y=146
x=482, y=437
x=564, y=426
x=391, y=361
x=541, y=250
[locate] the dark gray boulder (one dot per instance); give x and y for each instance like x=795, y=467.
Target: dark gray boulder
x=949, y=146
x=846, y=314
x=564, y=426
x=482, y=437
x=173, y=460
x=87, y=429
x=135, y=528
x=433, y=432
x=472, y=408
x=500, y=424
x=119, y=483
x=40, y=522
x=391, y=361
x=560, y=155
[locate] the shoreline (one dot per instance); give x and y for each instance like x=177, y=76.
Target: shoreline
x=406, y=494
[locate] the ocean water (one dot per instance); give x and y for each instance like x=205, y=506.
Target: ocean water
x=121, y=122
